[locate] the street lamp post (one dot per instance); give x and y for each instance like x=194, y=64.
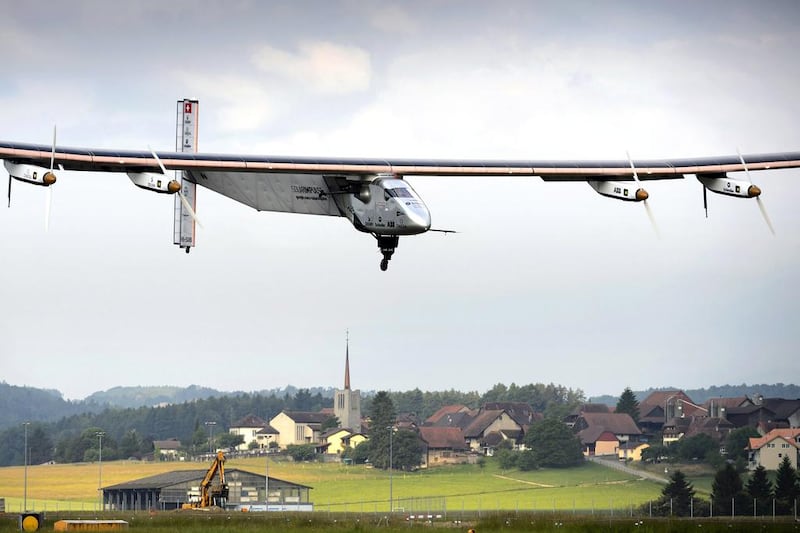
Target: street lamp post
x=25, y=453
x=210, y=425
x=391, y=468
x=100, y=435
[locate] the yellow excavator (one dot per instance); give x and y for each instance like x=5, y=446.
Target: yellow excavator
x=211, y=495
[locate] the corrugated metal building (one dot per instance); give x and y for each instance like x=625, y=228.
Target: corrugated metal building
x=172, y=489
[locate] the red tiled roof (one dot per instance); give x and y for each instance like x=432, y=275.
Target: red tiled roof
x=443, y=437
x=791, y=435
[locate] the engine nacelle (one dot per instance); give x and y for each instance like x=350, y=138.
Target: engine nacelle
x=722, y=184
x=154, y=182
x=30, y=173
x=629, y=192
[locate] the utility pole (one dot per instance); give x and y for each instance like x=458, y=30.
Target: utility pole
x=391, y=499
x=25, y=453
x=210, y=425
x=100, y=435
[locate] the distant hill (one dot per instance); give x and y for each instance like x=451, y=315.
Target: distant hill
x=28, y=404
x=777, y=390
x=133, y=397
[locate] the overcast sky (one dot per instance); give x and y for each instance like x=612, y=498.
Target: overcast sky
x=546, y=282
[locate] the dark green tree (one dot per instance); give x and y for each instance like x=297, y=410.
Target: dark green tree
x=359, y=454
x=527, y=461
x=506, y=458
x=786, y=486
x=737, y=441
x=628, y=404
x=130, y=444
x=554, y=444
x=676, y=497
x=301, y=452
x=759, y=489
x=382, y=419
x=406, y=450
x=727, y=492
x=228, y=441
x=330, y=422
x=40, y=447
x=696, y=447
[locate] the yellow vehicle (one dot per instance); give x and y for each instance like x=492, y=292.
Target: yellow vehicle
x=212, y=495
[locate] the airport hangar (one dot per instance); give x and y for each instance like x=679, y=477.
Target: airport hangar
x=172, y=489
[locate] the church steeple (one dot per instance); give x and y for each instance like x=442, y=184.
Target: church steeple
x=347, y=363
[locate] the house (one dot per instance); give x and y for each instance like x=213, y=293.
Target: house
x=768, y=451
x=522, y=413
x=496, y=425
x=166, y=449
x=443, y=445
x=571, y=418
x=660, y=406
x=718, y=407
x=249, y=428
x=172, y=489
x=445, y=415
x=631, y=451
x=604, y=433
x=298, y=427
x=339, y=439
x=716, y=428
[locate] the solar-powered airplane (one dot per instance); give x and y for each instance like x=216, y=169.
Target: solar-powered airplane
x=371, y=193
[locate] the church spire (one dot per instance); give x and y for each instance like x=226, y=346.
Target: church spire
x=347, y=363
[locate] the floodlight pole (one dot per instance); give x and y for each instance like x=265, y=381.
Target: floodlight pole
x=100, y=435
x=391, y=469
x=210, y=426
x=25, y=453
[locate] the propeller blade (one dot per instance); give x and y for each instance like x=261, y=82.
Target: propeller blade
x=758, y=198
x=646, y=205
x=188, y=208
x=53, y=153
x=48, y=204
x=184, y=201
x=764, y=214
x=652, y=219
x=9, y=190
x=158, y=160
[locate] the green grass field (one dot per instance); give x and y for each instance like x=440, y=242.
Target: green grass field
x=338, y=488
x=355, y=498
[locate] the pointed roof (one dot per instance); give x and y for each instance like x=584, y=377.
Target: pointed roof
x=347, y=363
x=250, y=421
x=790, y=435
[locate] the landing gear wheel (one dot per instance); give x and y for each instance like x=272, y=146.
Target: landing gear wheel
x=387, y=244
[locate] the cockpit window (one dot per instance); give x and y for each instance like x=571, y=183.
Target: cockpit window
x=399, y=192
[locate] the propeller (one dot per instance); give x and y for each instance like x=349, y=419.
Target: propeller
x=184, y=201
x=49, y=198
x=756, y=193
x=646, y=205
x=705, y=197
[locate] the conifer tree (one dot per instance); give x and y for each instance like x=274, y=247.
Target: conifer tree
x=726, y=491
x=786, y=489
x=628, y=404
x=677, y=495
x=759, y=488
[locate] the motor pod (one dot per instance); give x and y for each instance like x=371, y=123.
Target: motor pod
x=628, y=192
x=30, y=173
x=722, y=184
x=154, y=182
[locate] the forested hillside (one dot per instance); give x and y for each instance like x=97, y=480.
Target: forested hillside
x=21, y=404
x=130, y=432
x=777, y=390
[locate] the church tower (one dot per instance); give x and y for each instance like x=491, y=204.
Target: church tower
x=347, y=402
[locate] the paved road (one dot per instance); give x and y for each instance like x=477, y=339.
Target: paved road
x=613, y=462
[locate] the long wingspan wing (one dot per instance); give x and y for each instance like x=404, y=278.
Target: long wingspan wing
x=104, y=160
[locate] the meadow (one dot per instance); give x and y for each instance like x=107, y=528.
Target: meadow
x=357, y=489
x=356, y=498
